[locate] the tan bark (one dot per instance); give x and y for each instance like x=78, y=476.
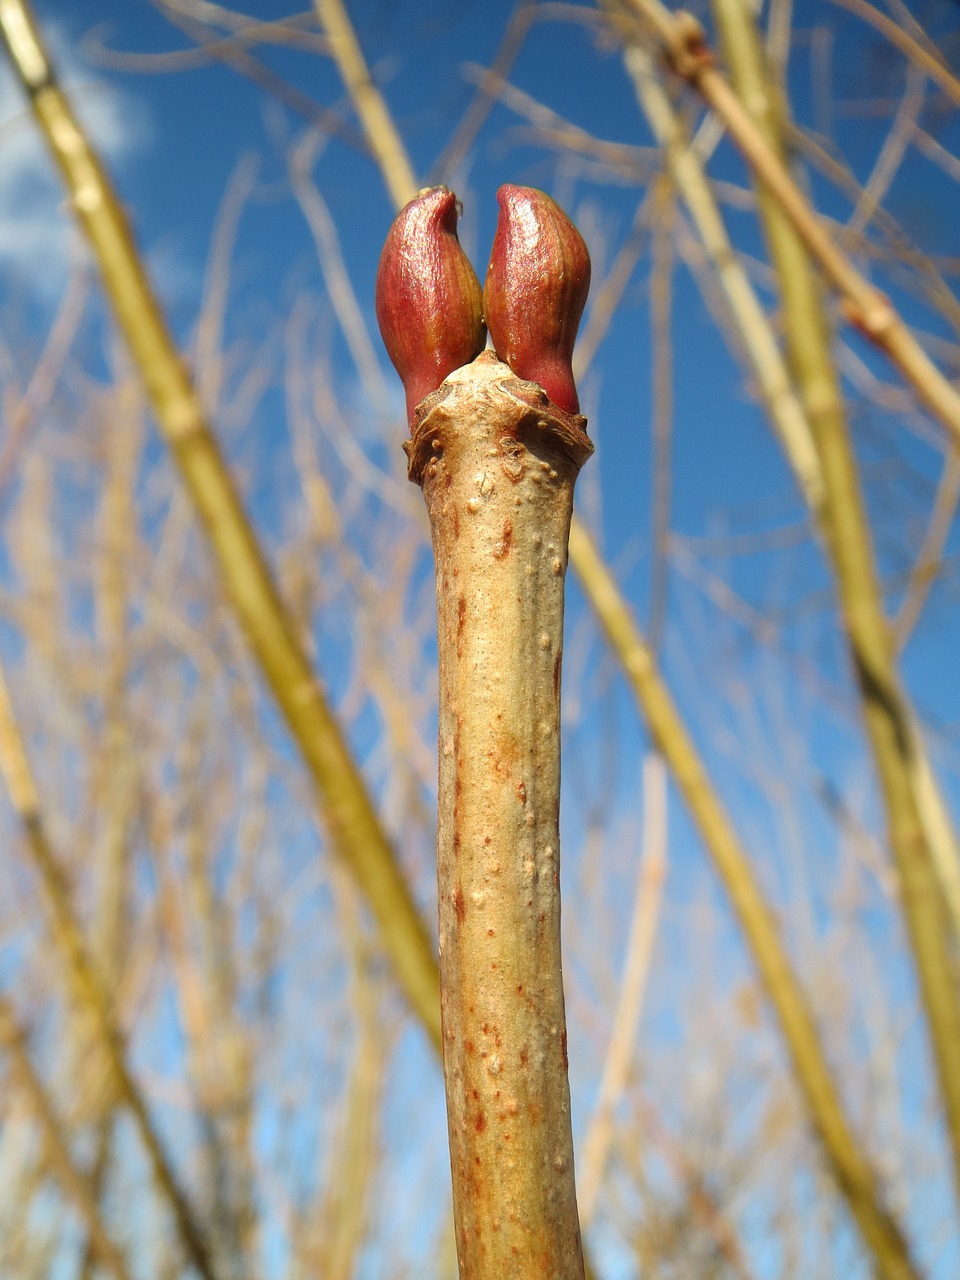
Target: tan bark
x=498, y=463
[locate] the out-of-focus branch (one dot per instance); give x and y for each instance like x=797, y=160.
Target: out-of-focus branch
x=930, y=555
x=389, y=151
x=335, y=1226
x=756, y=336
x=851, y=1169
x=661, y=302
x=339, y=287
x=356, y=832
x=196, y=19
x=643, y=931
x=773, y=381
x=75, y=1184
x=918, y=843
x=683, y=42
x=35, y=398
x=924, y=57
x=462, y=139
x=890, y=156
x=85, y=976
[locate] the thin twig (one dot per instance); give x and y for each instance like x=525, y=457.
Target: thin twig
x=85, y=975
x=74, y=1182
x=661, y=296
x=759, y=343
x=651, y=875
x=924, y=56
x=462, y=139
x=930, y=555
x=377, y=122
x=683, y=42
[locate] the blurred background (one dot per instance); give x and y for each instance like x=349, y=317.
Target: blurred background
x=186, y=955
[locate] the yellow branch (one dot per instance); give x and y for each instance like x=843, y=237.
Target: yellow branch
x=76, y=1185
x=684, y=44
x=84, y=974
x=851, y=1169
x=391, y=154
x=352, y=820
x=919, y=833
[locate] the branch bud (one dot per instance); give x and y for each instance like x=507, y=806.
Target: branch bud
x=535, y=291
x=428, y=299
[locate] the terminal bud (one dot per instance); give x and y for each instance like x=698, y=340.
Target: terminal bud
x=535, y=291
x=428, y=299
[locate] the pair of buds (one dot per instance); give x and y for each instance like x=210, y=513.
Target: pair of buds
x=434, y=319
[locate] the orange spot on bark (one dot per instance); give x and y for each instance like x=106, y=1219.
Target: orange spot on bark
x=461, y=620
x=502, y=549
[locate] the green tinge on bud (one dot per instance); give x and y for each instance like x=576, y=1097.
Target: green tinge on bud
x=429, y=304
x=535, y=291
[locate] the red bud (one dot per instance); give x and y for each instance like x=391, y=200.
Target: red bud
x=535, y=291
x=429, y=305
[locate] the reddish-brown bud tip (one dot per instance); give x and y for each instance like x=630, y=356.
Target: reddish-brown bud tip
x=429, y=305
x=535, y=291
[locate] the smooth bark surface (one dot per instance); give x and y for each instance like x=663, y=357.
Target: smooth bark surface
x=498, y=463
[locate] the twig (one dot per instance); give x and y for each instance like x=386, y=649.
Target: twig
x=521, y=20
x=891, y=154
x=339, y=287
x=661, y=298
x=85, y=975
x=684, y=44
x=929, y=557
x=74, y=1183
x=927, y=59
x=498, y=470
x=376, y=120
x=757, y=338
x=643, y=929
x=47, y=370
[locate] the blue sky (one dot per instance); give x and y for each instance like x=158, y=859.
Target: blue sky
x=174, y=141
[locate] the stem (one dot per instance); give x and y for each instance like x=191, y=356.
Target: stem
x=498, y=463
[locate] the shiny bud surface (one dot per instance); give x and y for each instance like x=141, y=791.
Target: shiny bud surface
x=428, y=299
x=535, y=291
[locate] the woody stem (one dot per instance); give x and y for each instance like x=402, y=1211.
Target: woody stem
x=497, y=463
